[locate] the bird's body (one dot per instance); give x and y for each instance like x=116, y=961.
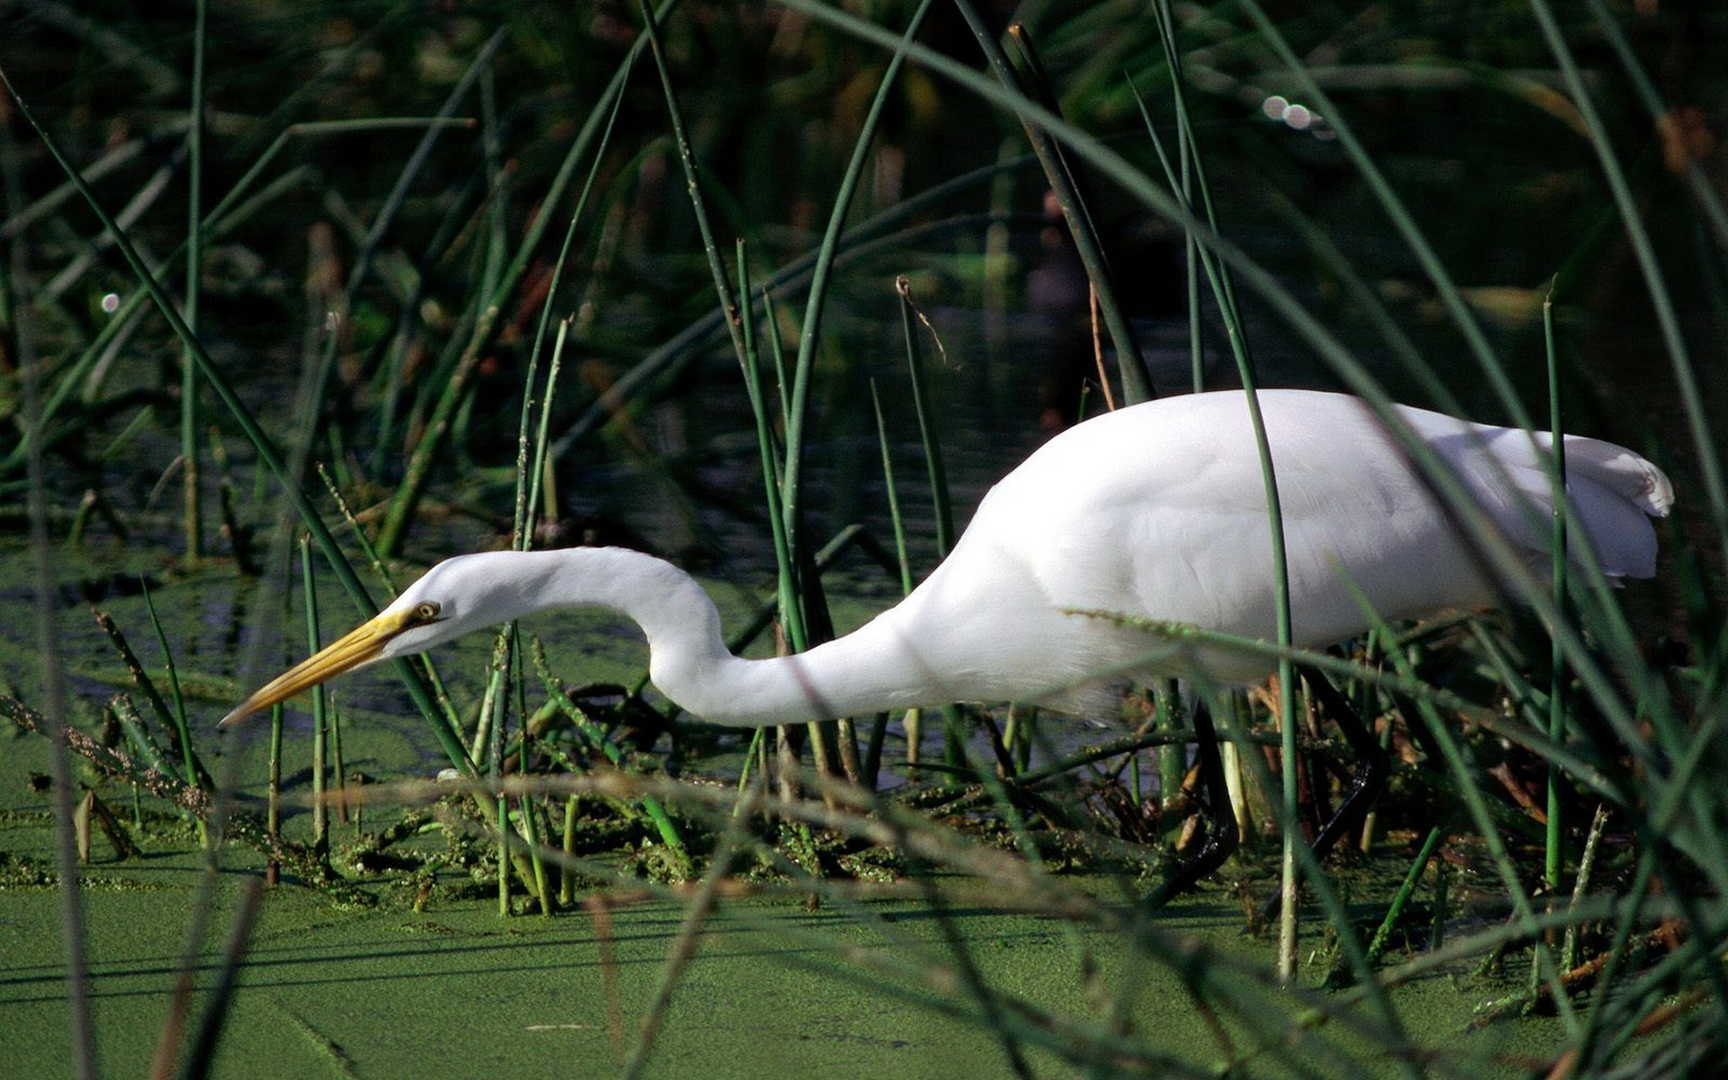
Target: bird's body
x=1156, y=512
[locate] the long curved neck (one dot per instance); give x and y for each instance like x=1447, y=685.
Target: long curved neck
x=688, y=659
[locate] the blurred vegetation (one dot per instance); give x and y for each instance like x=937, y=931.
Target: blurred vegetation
x=349, y=288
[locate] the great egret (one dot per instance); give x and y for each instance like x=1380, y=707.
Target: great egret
x=1156, y=511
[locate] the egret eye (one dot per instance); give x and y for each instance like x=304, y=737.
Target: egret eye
x=426, y=612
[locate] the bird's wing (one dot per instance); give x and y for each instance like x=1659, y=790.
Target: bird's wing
x=1613, y=491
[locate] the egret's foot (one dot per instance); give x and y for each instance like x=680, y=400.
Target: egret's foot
x=1220, y=837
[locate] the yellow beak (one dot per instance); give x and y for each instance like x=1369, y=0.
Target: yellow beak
x=359, y=646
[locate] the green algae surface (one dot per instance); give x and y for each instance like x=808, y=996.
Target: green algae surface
x=455, y=990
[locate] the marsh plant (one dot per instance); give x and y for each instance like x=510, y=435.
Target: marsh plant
x=301, y=299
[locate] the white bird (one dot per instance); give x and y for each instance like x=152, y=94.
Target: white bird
x=1156, y=512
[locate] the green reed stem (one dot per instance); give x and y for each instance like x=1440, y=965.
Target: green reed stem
x=929, y=434
x=320, y=705
x=748, y=364
x=194, y=769
x=138, y=737
x=893, y=495
x=879, y=726
x=1406, y=889
x=193, y=522
x=1553, y=855
x=1136, y=381
x=273, y=791
x=1224, y=293
x=1581, y=886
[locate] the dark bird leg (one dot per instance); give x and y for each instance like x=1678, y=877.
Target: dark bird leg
x=1220, y=837
x=1373, y=765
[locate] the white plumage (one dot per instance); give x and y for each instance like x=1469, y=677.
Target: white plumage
x=1156, y=511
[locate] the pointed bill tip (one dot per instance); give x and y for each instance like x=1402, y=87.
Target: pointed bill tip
x=239, y=713
x=359, y=647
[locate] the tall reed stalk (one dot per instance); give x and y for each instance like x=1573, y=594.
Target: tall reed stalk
x=192, y=469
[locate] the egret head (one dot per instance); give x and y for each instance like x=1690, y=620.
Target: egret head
x=456, y=596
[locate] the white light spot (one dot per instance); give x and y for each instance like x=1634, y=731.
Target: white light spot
x=1298, y=117
x=110, y=303
x=1274, y=107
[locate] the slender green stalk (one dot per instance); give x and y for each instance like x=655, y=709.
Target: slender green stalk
x=752, y=754
x=1172, y=759
x=527, y=806
x=320, y=706
x=338, y=766
x=138, y=737
x=935, y=467
x=539, y=473
x=194, y=519
x=1225, y=297
x=791, y=611
x=193, y=768
x=491, y=707
x=567, y=880
x=1401, y=898
x=770, y=460
x=273, y=791
x=158, y=705
x=1553, y=855
x=893, y=495
x=1136, y=381
x=879, y=726
x=1219, y=276
x=1580, y=887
